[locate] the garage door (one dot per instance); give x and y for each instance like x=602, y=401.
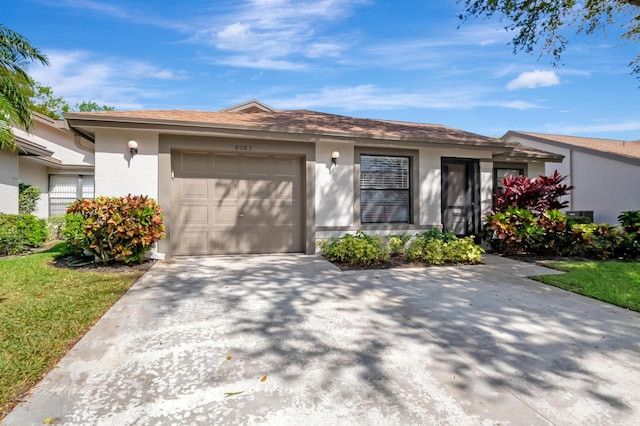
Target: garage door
x=236, y=203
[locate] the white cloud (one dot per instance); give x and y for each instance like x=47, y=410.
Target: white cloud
x=80, y=76
x=368, y=97
x=277, y=32
x=534, y=79
x=624, y=126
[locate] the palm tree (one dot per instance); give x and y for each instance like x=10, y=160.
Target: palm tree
x=15, y=52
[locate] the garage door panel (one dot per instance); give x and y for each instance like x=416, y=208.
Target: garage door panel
x=226, y=165
x=193, y=242
x=226, y=215
x=283, y=190
x=245, y=204
x=225, y=189
x=285, y=166
x=221, y=242
x=197, y=215
x=258, y=189
x=195, y=188
x=195, y=164
x=256, y=166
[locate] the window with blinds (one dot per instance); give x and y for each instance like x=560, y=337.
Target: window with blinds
x=65, y=189
x=384, y=189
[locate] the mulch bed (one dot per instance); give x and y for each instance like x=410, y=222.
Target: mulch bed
x=70, y=262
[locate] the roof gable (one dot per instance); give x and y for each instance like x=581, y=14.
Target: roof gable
x=610, y=148
x=251, y=106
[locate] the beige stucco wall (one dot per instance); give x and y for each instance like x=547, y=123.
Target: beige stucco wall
x=334, y=185
x=605, y=186
x=116, y=173
x=37, y=175
x=537, y=169
x=9, y=180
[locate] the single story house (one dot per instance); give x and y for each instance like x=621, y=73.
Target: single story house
x=605, y=173
x=252, y=179
x=51, y=157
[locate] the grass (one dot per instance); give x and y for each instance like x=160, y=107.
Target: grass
x=617, y=283
x=44, y=310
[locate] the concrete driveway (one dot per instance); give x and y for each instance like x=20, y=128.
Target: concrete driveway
x=310, y=345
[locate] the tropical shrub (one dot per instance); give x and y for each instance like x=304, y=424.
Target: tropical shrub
x=115, y=229
x=514, y=230
x=535, y=194
x=357, y=249
x=19, y=232
x=28, y=196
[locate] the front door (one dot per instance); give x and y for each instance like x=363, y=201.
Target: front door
x=461, y=195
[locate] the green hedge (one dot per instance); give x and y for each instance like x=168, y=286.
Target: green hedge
x=20, y=232
x=433, y=247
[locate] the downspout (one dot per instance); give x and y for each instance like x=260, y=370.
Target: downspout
x=571, y=179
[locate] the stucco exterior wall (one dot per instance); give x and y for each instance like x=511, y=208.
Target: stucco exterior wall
x=37, y=175
x=334, y=185
x=605, y=186
x=9, y=180
x=537, y=169
x=116, y=173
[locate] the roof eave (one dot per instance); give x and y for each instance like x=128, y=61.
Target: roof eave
x=76, y=121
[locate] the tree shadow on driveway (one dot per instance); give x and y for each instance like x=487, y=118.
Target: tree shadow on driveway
x=290, y=338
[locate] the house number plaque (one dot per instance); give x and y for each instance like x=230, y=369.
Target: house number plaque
x=244, y=148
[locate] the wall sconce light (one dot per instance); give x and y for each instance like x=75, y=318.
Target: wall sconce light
x=334, y=157
x=133, y=147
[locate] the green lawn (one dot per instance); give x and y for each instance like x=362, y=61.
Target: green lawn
x=43, y=311
x=613, y=282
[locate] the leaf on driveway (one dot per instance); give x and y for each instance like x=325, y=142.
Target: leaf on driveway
x=49, y=421
x=229, y=357
x=228, y=394
x=264, y=378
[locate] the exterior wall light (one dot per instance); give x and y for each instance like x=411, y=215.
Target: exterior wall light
x=334, y=157
x=133, y=147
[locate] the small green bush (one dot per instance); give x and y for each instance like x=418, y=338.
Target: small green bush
x=435, y=251
x=463, y=250
x=446, y=235
x=120, y=229
x=357, y=249
x=397, y=243
x=73, y=233
x=55, y=225
x=28, y=196
x=578, y=220
x=19, y=232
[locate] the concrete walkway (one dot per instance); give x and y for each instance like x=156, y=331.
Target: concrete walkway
x=290, y=339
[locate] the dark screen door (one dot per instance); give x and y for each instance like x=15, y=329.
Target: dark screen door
x=461, y=195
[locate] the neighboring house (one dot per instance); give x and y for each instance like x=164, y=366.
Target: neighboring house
x=605, y=173
x=251, y=179
x=52, y=158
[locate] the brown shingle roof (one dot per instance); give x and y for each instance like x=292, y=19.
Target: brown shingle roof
x=295, y=121
x=607, y=146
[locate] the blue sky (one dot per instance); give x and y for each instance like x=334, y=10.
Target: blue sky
x=366, y=58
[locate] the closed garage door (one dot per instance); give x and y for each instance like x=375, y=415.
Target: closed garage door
x=236, y=203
